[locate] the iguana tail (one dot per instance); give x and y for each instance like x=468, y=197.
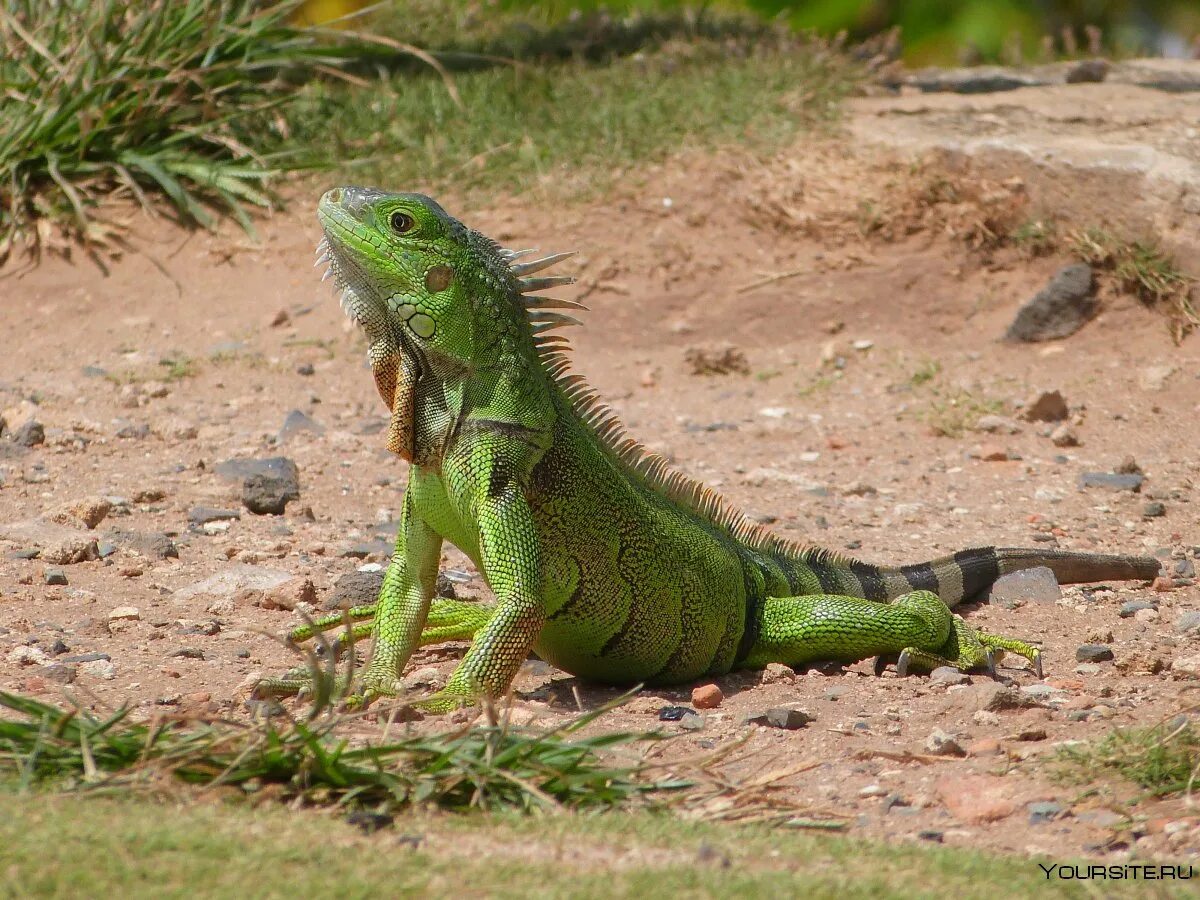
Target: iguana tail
x=966, y=574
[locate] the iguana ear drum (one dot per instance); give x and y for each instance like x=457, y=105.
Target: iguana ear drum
x=438, y=278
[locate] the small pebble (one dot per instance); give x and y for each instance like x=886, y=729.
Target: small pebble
x=707, y=696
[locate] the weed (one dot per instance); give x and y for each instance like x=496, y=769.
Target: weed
x=1144, y=269
x=817, y=384
x=925, y=373
x=488, y=767
x=1035, y=237
x=955, y=411
x=178, y=367
x=1162, y=759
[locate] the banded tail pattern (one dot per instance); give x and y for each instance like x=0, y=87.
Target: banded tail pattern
x=967, y=573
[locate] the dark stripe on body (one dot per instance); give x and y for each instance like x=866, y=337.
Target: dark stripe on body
x=921, y=577
x=871, y=579
x=752, y=625
x=828, y=576
x=980, y=569
x=576, y=597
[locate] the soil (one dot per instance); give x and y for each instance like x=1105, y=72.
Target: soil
x=868, y=309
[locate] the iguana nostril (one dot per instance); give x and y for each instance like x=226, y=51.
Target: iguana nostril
x=334, y=196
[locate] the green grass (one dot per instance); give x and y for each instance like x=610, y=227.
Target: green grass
x=57, y=846
x=169, y=102
x=1142, y=267
x=1162, y=759
x=1035, y=237
x=322, y=761
x=571, y=128
x=197, y=108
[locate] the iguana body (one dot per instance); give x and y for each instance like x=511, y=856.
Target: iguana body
x=603, y=561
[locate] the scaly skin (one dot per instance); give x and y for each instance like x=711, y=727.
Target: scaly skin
x=603, y=561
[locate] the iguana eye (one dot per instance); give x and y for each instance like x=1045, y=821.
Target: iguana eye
x=401, y=223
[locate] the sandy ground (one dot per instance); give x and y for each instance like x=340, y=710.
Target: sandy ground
x=865, y=309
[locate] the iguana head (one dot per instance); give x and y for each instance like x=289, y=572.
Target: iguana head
x=432, y=295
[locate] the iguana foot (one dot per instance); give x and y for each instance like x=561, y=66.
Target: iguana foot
x=967, y=650
x=353, y=693
x=448, y=620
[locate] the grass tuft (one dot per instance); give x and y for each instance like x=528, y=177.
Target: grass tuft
x=1143, y=268
x=1163, y=759
x=485, y=767
x=168, y=102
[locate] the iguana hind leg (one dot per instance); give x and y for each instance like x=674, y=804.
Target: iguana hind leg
x=917, y=629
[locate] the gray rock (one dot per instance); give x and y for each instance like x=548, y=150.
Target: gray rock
x=1154, y=509
x=59, y=672
x=202, y=515
x=1044, y=811
x=948, y=675
x=1088, y=71
x=1185, y=568
x=836, y=692
x=1037, y=584
x=269, y=494
x=786, y=717
x=55, y=576
x=1112, y=481
x=30, y=434
x=941, y=743
x=694, y=722
x=304, y=369
x=99, y=668
x=1131, y=608
x=1060, y=309
x=233, y=580
x=994, y=424
x=1105, y=818
x=298, y=422
x=1041, y=692
x=1189, y=622
x=972, y=80
x=354, y=589
x=85, y=657
x=150, y=544
x=1093, y=653
x=241, y=469
x=134, y=430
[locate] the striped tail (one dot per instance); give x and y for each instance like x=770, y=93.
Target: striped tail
x=970, y=572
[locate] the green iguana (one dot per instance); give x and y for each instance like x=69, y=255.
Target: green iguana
x=605, y=562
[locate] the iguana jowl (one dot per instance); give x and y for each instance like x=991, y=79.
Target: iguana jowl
x=608, y=564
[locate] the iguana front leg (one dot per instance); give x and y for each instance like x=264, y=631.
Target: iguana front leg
x=511, y=562
x=396, y=620
x=403, y=605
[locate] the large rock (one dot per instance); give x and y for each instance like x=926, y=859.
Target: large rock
x=1037, y=584
x=232, y=581
x=1060, y=309
x=268, y=485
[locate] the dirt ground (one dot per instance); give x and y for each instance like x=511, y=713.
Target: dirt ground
x=868, y=309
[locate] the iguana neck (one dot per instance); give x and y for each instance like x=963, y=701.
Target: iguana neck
x=504, y=382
